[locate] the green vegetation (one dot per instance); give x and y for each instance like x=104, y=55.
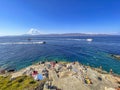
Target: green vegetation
x=19, y=83
x=64, y=62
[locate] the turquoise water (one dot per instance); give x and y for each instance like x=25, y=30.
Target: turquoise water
x=14, y=54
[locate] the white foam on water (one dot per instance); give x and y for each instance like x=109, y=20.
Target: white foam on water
x=20, y=43
x=89, y=39
x=77, y=39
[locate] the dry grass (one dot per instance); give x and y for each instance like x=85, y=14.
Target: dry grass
x=19, y=83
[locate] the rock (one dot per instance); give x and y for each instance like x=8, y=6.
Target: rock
x=109, y=88
x=116, y=56
x=74, y=79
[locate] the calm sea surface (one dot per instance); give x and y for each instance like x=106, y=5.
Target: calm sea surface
x=18, y=52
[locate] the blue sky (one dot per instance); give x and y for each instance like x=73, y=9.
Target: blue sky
x=59, y=16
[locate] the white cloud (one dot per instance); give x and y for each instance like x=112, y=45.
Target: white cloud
x=34, y=31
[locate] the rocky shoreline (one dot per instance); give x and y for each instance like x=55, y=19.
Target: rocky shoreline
x=68, y=76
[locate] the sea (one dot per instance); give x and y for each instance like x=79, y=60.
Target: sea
x=17, y=52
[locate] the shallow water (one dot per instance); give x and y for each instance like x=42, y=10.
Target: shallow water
x=18, y=52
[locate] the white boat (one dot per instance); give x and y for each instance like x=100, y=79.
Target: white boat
x=89, y=40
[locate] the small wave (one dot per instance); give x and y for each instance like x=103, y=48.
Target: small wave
x=77, y=39
x=19, y=43
x=89, y=39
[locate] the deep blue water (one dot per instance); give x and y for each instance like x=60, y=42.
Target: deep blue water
x=76, y=48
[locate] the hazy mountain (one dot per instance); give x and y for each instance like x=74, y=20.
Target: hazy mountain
x=33, y=31
x=118, y=33
x=36, y=32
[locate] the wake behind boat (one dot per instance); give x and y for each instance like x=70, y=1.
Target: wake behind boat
x=7, y=43
x=88, y=39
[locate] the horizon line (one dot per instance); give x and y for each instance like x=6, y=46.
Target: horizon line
x=61, y=34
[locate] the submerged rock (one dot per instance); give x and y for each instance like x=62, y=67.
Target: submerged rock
x=116, y=56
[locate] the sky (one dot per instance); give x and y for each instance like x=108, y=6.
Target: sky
x=59, y=16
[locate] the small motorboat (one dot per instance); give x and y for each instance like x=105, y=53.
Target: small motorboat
x=29, y=39
x=44, y=42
